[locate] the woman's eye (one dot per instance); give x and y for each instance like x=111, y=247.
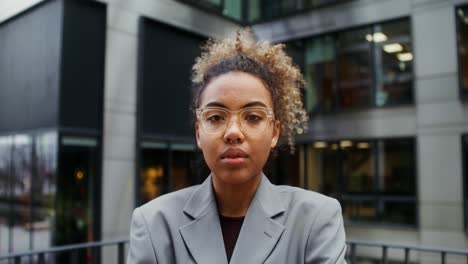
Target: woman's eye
x=215, y=118
x=253, y=117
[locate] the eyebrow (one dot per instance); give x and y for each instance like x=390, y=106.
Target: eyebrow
x=250, y=104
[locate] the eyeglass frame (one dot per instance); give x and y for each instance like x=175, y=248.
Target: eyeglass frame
x=268, y=111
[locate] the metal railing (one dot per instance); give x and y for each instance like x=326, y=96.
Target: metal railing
x=40, y=256
x=352, y=256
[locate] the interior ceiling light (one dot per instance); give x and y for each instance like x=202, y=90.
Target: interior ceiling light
x=392, y=48
x=363, y=145
x=408, y=56
x=346, y=143
x=320, y=144
x=376, y=37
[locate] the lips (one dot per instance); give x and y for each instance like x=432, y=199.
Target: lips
x=232, y=153
x=234, y=158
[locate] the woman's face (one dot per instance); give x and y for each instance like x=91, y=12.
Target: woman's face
x=233, y=156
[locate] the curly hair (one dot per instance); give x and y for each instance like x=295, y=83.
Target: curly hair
x=267, y=62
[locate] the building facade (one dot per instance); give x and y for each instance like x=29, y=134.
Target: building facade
x=95, y=119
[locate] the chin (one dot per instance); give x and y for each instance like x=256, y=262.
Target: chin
x=236, y=177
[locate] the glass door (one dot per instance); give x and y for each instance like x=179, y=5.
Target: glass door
x=77, y=195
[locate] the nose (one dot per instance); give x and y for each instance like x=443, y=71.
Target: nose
x=233, y=132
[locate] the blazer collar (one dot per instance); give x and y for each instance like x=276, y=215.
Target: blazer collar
x=257, y=238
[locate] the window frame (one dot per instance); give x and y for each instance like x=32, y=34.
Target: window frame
x=372, y=67
x=374, y=196
x=461, y=93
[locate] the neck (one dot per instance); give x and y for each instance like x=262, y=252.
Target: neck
x=234, y=199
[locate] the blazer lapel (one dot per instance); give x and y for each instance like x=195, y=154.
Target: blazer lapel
x=203, y=236
x=260, y=232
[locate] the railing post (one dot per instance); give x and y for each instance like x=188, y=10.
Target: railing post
x=353, y=253
x=74, y=256
x=407, y=255
x=95, y=254
x=442, y=255
x=41, y=258
x=120, y=253
x=384, y=255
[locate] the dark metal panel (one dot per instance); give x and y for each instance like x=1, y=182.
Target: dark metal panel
x=83, y=58
x=29, y=68
x=166, y=56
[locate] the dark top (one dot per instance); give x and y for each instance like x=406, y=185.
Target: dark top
x=230, y=226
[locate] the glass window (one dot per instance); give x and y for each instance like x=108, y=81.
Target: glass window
x=27, y=191
x=6, y=143
x=396, y=170
x=322, y=169
x=373, y=179
x=233, y=9
x=354, y=68
x=462, y=37
x=465, y=178
x=167, y=167
x=21, y=192
x=358, y=166
x=77, y=189
x=286, y=168
x=44, y=189
x=182, y=166
x=320, y=74
x=153, y=172
x=360, y=68
x=394, y=64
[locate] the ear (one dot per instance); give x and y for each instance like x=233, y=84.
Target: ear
x=276, y=134
x=197, y=134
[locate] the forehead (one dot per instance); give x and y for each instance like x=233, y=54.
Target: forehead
x=235, y=89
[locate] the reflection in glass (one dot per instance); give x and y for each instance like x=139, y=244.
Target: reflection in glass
x=166, y=168
x=44, y=189
x=182, y=173
x=397, y=158
x=322, y=162
x=360, y=209
x=21, y=193
x=153, y=172
x=374, y=180
x=394, y=64
x=354, y=68
x=76, y=190
x=285, y=168
x=6, y=143
x=320, y=74
x=358, y=167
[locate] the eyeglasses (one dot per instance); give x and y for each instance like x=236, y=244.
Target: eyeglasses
x=252, y=120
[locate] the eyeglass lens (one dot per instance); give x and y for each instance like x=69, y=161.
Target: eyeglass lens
x=252, y=121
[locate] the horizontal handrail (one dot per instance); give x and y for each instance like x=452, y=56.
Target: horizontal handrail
x=407, y=246
x=385, y=246
x=64, y=248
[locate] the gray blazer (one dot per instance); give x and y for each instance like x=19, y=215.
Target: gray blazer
x=283, y=225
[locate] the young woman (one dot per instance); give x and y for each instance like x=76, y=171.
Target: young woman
x=246, y=96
